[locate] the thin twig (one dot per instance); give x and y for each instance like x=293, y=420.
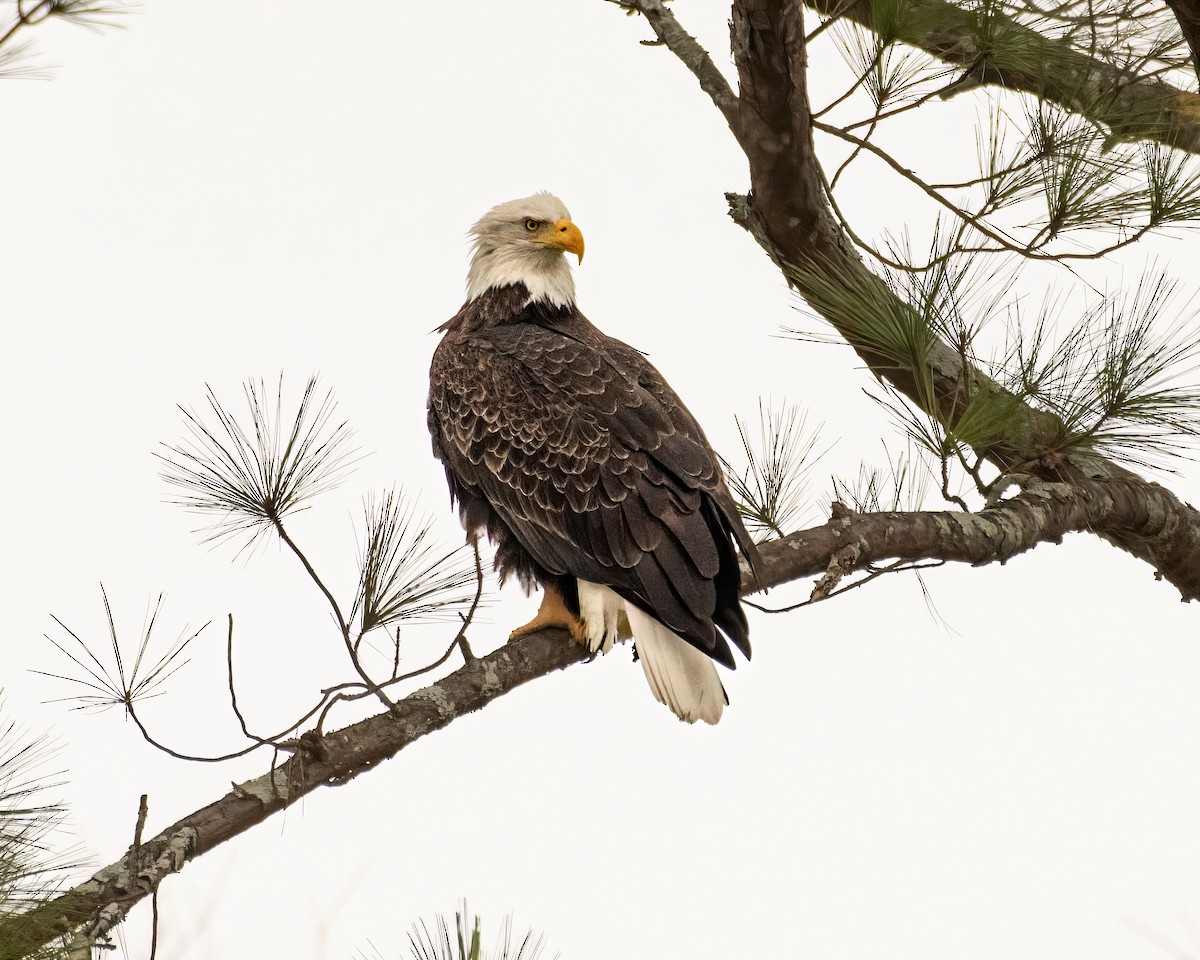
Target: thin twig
x=143, y=810
x=24, y=18
x=972, y=472
x=952, y=497
x=873, y=574
x=459, y=642
x=312, y=573
x=154, y=923
x=232, y=691
x=132, y=714
x=233, y=701
x=336, y=694
x=1030, y=250
x=343, y=626
x=837, y=175
x=693, y=56
x=461, y=639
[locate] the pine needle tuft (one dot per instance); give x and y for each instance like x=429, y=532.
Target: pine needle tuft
x=250, y=475
x=114, y=684
x=404, y=574
x=463, y=941
x=1121, y=380
x=904, y=485
x=770, y=489
x=31, y=868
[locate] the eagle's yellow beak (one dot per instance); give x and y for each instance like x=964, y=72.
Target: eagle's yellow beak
x=564, y=235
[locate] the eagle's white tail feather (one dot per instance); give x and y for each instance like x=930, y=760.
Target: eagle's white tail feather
x=680, y=676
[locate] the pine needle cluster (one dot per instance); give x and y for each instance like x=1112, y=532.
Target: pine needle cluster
x=250, y=475
x=32, y=865
x=771, y=487
x=902, y=485
x=1118, y=378
x=1043, y=171
x=1121, y=379
x=463, y=940
x=118, y=680
x=404, y=573
x=15, y=54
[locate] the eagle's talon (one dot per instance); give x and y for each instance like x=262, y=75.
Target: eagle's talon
x=579, y=632
x=552, y=613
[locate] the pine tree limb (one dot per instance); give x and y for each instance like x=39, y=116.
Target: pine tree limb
x=1041, y=513
x=1130, y=107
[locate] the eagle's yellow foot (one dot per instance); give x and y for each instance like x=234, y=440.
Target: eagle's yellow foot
x=552, y=613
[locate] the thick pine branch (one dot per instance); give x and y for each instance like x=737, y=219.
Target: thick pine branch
x=1130, y=107
x=1042, y=512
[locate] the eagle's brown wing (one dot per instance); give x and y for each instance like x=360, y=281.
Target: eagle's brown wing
x=596, y=468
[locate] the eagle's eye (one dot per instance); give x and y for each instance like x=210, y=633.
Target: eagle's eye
x=532, y=225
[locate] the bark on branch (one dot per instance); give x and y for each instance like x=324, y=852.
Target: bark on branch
x=1044, y=512
x=1130, y=107
x=1041, y=512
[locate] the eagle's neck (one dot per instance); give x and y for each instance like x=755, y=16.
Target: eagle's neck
x=544, y=273
x=511, y=305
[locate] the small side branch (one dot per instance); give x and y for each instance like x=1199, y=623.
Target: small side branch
x=342, y=623
x=693, y=56
x=1033, y=250
x=840, y=564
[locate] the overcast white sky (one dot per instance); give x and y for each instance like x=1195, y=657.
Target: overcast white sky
x=230, y=190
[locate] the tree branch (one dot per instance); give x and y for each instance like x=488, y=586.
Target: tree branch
x=1042, y=512
x=342, y=755
x=1129, y=106
x=789, y=214
x=691, y=54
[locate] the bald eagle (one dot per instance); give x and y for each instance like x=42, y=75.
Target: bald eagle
x=570, y=450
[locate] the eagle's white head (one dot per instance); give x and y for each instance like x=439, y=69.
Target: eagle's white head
x=523, y=241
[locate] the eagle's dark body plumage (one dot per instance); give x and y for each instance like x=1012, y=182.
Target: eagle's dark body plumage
x=572, y=453
x=569, y=448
